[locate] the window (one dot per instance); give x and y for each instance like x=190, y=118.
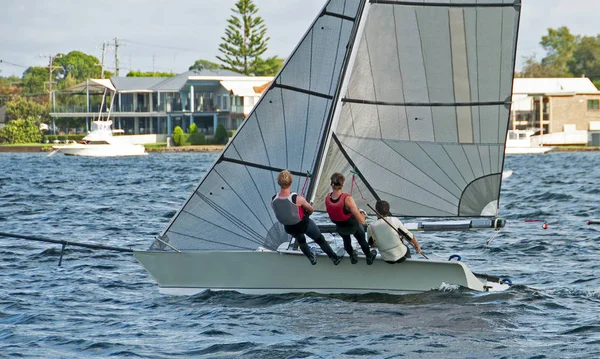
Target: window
x=593, y=105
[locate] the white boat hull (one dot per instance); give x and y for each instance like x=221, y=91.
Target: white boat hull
x=527, y=150
x=104, y=150
x=269, y=272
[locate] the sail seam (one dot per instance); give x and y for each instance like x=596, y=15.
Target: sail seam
x=231, y=218
x=423, y=56
x=454, y=163
x=425, y=104
x=396, y=174
x=417, y=203
x=438, y=166
x=420, y=170
x=301, y=90
x=437, y=4
x=257, y=165
x=244, y=202
x=400, y=73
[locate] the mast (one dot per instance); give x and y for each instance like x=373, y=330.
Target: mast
x=334, y=111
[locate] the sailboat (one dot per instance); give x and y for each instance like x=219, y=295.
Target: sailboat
x=411, y=99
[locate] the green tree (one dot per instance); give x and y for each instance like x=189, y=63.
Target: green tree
x=200, y=65
x=178, y=136
x=559, y=45
x=196, y=138
x=35, y=80
x=9, y=87
x=245, y=39
x=20, y=108
x=149, y=74
x=586, y=59
x=78, y=65
x=21, y=131
x=268, y=67
x=221, y=135
x=534, y=68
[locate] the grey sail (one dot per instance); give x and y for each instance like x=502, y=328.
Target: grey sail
x=230, y=209
x=423, y=118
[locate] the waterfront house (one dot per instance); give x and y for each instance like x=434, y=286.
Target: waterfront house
x=156, y=105
x=563, y=111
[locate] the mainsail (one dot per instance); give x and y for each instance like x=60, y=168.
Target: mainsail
x=412, y=96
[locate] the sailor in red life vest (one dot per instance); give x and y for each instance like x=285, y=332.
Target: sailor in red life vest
x=293, y=211
x=348, y=218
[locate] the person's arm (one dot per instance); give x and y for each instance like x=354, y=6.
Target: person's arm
x=351, y=205
x=371, y=240
x=413, y=240
x=415, y=244
x=301, y=202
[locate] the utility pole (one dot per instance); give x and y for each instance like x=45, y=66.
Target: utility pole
x=51, y=68
x=116, y=57
x=102, y=64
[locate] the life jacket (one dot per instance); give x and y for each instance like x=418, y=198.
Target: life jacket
x=337, y=208
x=286, y=210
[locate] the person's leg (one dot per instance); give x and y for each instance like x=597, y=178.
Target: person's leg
x=369, y=253
x=313, y=232
x=348, y=247
x=301, y=239
x=360, y=237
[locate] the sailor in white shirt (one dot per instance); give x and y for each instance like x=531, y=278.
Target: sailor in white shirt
x=387, y=239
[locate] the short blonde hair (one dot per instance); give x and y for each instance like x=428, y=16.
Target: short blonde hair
x=337, y=180
x=284, y=179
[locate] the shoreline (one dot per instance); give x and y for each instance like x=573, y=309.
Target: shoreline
x=47, y=148
x=219, y=148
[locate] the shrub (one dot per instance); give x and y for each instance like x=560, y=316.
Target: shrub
x=196, y=138
x=178, y=136
x=21, y=131
x=220, y=135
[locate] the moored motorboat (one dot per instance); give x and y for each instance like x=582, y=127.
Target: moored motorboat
x=100, y=142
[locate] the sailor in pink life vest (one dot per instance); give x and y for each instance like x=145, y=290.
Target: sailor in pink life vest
x=387, y=239
x=293, y=211
x=348, y=219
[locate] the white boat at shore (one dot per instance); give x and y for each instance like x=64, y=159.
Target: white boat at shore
x=520, y=142
x=409, y=99
x=100, y=142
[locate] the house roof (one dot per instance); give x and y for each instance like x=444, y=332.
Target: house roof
x=554, y=86
x=136, y=84
x=92, y=85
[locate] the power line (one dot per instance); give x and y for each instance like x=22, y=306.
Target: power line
x=159, y=46
x=12, y=63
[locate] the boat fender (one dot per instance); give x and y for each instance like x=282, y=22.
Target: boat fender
x=506, y=281
x=455, y=256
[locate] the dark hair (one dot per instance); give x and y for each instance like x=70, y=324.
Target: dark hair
x=383, y=208
x=337, y=180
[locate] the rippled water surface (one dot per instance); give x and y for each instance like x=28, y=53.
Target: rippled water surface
x=104, y=304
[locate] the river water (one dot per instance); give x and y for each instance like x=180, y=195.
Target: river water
x=104, y=304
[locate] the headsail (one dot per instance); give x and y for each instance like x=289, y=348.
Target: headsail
x=230, y=208
x=424, y=116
